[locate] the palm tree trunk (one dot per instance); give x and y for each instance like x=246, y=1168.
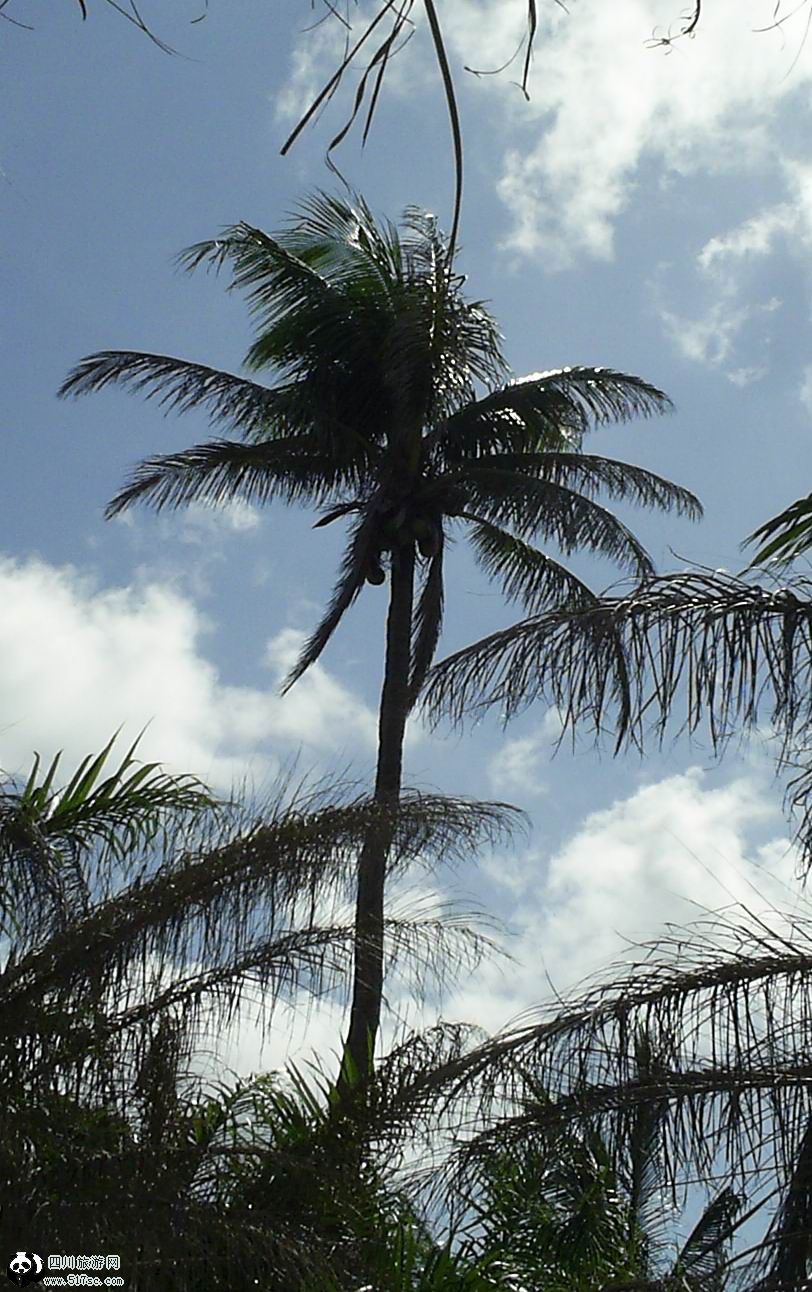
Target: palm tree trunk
x=365, y=1012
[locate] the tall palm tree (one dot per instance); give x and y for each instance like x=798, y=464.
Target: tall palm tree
x=393, y=408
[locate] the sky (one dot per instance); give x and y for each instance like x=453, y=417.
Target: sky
x=649, y=209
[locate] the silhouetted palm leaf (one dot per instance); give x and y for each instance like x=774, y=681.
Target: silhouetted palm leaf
x=525, y=573
x=786, y=536
x=541, y=507
x=221, y=472
x=428, y=619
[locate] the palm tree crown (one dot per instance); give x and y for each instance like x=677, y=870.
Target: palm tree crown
x=393, y=406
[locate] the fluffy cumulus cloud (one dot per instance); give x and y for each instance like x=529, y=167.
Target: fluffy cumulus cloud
x=80, y=661
x=672, y=850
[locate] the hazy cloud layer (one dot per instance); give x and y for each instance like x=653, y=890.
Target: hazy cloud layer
x=574, y=157
x=738, y=323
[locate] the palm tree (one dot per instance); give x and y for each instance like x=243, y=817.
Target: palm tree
x=377, y=417
x=725, y=1004
x=567, y=1214
x=136, y=915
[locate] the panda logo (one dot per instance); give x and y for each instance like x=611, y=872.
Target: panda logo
x=25, y=1268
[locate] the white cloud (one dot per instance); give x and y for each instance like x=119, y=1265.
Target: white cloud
x=711, y=338
x=723, y=255
x=314, y=58
x=742, y=377
x=603, y=103
x=726, y=266
x=77, y=661
x=199, y=522
x=659, y=856
x=516, y=766
x=755, y=237
x=666, y=854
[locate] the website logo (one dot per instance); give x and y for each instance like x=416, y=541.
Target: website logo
x=25, y=1268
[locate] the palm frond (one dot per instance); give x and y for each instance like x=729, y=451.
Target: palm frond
x=737, y=645
x=244, y=906
x=450, y=830
x=728, y=1000
x=321, y=289
x=388, y=296
x=338, y=513
x=180, y=386
x=124, y=810
x=44, y=829
x=274, y=277
x=618, y=480
x=525, y=573
x=350, y=245
x=428, y=621
x=702, y=1258
x=731, y=652
x=641, y=1165
x=531, y=506
x=787, y=1252
x=224, y=470
x=361, y=553
x=785, y=536
x=547, y=411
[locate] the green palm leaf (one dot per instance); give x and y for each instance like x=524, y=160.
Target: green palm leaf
x=526, y=574
x=122, y=809
x=786, y=536
x=222, y=471
x=179, y=386
x=532, y=506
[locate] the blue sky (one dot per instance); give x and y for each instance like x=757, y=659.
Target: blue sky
x=646, y=211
